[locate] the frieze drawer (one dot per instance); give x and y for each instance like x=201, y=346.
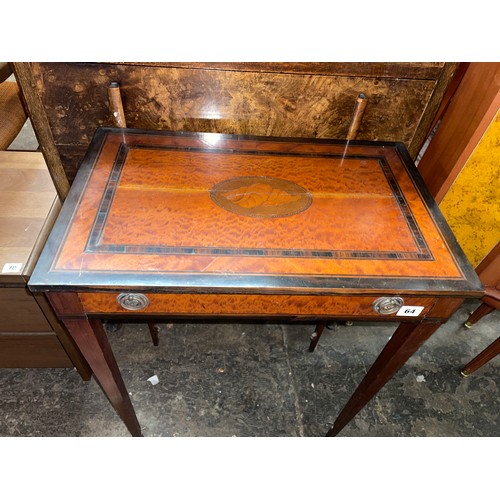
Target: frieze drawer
x=251, y=305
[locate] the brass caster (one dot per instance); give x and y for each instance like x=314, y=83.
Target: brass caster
x=464, y=374
x=349, y=323
x=467, y=324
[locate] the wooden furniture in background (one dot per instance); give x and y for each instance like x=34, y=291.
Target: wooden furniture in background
x=68, y=101
x=470, y=112
x=461, y=167
x=490, y=302
x=487, y=354
x=30, y=334
x=186, y=225
x=12, y=113
x=116, y=105
x=489, y=274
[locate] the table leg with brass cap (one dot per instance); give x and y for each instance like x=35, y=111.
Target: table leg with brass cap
x=479, y=313
x=482, y=358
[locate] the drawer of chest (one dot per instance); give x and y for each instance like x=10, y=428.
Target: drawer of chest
x=255, y=305
x=19, y=312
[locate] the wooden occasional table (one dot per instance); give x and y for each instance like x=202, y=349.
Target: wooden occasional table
x=186, y=225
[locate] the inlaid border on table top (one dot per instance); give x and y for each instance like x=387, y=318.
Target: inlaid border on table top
x=94, y=244
x=46, y=277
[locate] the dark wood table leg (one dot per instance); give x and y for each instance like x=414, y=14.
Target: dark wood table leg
x=316, y=335
x=403, y=344
x=90, y=337
x=482, y=358
x=320, y=326
x=479, y=313
x=154, y=329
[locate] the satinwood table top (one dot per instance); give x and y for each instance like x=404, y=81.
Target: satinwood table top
x=203, y=211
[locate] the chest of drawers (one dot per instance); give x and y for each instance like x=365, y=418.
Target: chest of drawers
x=30, y=334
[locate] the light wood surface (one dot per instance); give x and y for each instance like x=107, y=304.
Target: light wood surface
x=30, y=334
x=28, y=206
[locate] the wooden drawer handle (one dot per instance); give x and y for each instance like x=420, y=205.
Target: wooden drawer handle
x=133, y=301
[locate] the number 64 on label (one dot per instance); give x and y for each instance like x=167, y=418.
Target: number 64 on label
x=410, y=311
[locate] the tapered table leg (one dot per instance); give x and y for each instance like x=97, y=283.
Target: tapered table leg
x=153, y=331
x=403, y=344
x=90, y=337
x=320, y=326
x=479, y=313
x=316, y=335
x=482, y=358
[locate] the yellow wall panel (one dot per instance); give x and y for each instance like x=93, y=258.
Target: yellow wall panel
x=472, y=204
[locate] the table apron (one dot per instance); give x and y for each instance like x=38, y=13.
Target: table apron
x=252, y=305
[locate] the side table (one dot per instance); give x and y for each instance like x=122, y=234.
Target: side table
x=189, y=225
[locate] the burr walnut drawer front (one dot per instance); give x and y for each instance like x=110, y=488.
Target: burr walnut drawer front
x=256, y=305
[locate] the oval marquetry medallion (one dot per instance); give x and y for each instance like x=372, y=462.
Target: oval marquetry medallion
x=261, y=196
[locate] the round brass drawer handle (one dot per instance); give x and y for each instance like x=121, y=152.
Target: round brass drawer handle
x=387, y=305
x=132, y=301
